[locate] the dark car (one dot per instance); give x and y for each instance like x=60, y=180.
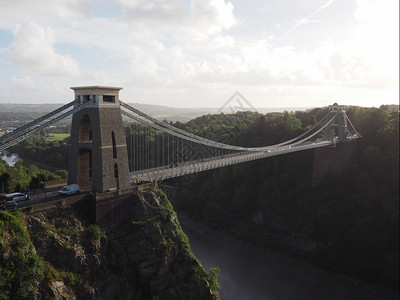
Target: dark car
x=9, y=205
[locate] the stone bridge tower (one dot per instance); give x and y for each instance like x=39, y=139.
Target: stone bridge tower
x=339, y=127
x=98, y=154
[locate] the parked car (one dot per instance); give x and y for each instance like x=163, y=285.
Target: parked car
x=69, y=189
x=16, y=197
x=9, y=205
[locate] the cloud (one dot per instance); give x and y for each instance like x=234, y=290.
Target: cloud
x=308, y=20
x=22, y=83
x=214, y=15
x=46, y=10
x=33, y=50
x=203, y=17
x=180, y=50
x=368, y=56
x=376, y=35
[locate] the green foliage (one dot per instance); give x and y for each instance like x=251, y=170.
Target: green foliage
x=166, y=209
x=354, y=218
x=42, y=176
x=20, y=267
x=171, y=241
x=19, y=177
x=51, y=274
x=51, y=137
x=213, y=280
x=63, y=174
x=191, y=261
x=37, y=148
x=94, y=232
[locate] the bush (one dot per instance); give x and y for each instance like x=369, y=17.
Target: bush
x=94, y=232
x=20, y=267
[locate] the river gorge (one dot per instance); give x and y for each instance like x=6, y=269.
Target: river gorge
x=251, y=273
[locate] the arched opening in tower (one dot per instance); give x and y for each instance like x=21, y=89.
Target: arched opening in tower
x=334, y=130
x=85, y=167
x=85, y=130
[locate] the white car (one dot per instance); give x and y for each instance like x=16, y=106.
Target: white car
x=16, y=197
x=69, y=189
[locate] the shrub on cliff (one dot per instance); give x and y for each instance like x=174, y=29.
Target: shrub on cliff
x=20, y=268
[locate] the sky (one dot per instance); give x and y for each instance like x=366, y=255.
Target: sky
x=198, y=53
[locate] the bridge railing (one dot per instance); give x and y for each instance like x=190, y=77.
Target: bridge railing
x=162, y=173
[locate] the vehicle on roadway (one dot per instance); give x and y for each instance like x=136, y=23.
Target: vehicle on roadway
x=69, y=189
x=9, y=205
x=16, y=197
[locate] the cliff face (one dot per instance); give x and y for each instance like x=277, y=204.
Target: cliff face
x=144, y=257
x=331, y=162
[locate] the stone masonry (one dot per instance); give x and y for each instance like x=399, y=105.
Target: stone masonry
x=98, y=154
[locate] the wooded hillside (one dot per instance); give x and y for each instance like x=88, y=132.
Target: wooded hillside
x=347, y=223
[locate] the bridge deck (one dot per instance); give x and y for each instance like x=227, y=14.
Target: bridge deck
x=162, y=173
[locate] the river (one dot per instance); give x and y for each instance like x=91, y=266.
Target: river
x=249, y=273
x=10, y=159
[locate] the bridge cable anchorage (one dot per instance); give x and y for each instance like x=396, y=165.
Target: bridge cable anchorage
x=45, y=125
x=144, y=118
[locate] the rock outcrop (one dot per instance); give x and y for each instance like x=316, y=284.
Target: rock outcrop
x=146, y=256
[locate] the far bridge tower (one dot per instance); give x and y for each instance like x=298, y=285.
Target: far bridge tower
x=339, y=126
x=98, y=154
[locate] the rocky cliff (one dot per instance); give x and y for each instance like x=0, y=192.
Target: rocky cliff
x=146, y=256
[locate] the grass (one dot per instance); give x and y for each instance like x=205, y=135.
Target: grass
x=52, y=137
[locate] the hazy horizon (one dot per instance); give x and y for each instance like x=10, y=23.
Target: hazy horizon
x=201, y=107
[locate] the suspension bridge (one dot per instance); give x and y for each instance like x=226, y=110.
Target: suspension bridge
x=99, y=158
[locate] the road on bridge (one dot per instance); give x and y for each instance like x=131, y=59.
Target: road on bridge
x=213, y=163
